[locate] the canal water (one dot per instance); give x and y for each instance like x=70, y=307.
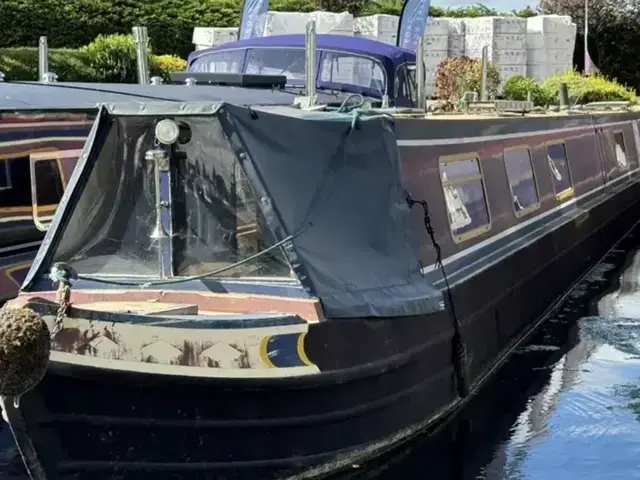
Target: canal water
x=565, y=406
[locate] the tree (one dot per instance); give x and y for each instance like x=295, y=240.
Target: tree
x=614, y=35
x=337, y=6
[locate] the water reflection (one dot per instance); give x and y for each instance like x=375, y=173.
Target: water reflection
x=566, y=406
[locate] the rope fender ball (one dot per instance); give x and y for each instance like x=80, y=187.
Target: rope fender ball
x=25, y=345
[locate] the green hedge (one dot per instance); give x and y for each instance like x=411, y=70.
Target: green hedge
x=75, y=23
x=110, y=59
x=590, y=88
x=21, y=63
x=518, y=87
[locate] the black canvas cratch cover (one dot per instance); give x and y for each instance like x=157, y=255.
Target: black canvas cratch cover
x=241, y=182
x=342, y=186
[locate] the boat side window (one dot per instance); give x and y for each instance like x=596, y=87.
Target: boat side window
x=620, y=150
x=636, y=137
x=522, y=181
x=5, y=174
x=559, y=168
x=352, y=69
x=46, y=186
x=16, y=196
x=464, y=195
x=219, y=62
x=276, y=61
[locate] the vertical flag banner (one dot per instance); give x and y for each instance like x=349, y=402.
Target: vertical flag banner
x=589, y=66
x=413, y=22
x=252, y=18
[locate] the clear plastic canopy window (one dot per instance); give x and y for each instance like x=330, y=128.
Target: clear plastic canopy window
x=210, y=214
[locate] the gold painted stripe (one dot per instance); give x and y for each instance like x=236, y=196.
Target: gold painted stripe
x=301, y=353
x=565, y=194
x=264, y=354
x=41, y=208
x=13, y=268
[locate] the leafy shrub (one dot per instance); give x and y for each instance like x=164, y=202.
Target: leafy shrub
x=458, y=75
x=113, y=58
x=165, y=65
x=590, y=88
x=517, y=87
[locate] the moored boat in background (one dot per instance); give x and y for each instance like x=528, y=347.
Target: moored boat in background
x=51, y=143
x=246, y=289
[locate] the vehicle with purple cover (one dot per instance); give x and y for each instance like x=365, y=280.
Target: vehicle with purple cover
x=344, y=64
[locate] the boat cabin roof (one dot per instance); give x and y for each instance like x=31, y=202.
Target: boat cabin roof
x=88, y=96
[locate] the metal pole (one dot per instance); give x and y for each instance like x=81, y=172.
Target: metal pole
x=563, y=96
x=420, y=75
x=310, y=61
x=141, y=40
x=160, y=160
x=43, y=58
x=483, y=81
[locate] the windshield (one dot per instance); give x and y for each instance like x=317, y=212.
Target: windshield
x=352, y=69
x=210, y=213
x=276, y=61
x=230, y=61
x=335, y=67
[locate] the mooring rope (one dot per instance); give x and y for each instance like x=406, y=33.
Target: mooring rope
x=461, y=363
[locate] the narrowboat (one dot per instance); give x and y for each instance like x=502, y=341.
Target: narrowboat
x=241, y=289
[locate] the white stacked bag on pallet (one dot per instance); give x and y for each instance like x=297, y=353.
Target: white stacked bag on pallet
x=340, y=70
x=212, y=37
x=456, y=37
x=506, y=39
x=550, y=43
x=382, y=28
x=333, y=23
x=436, y=49
x=287, y=23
